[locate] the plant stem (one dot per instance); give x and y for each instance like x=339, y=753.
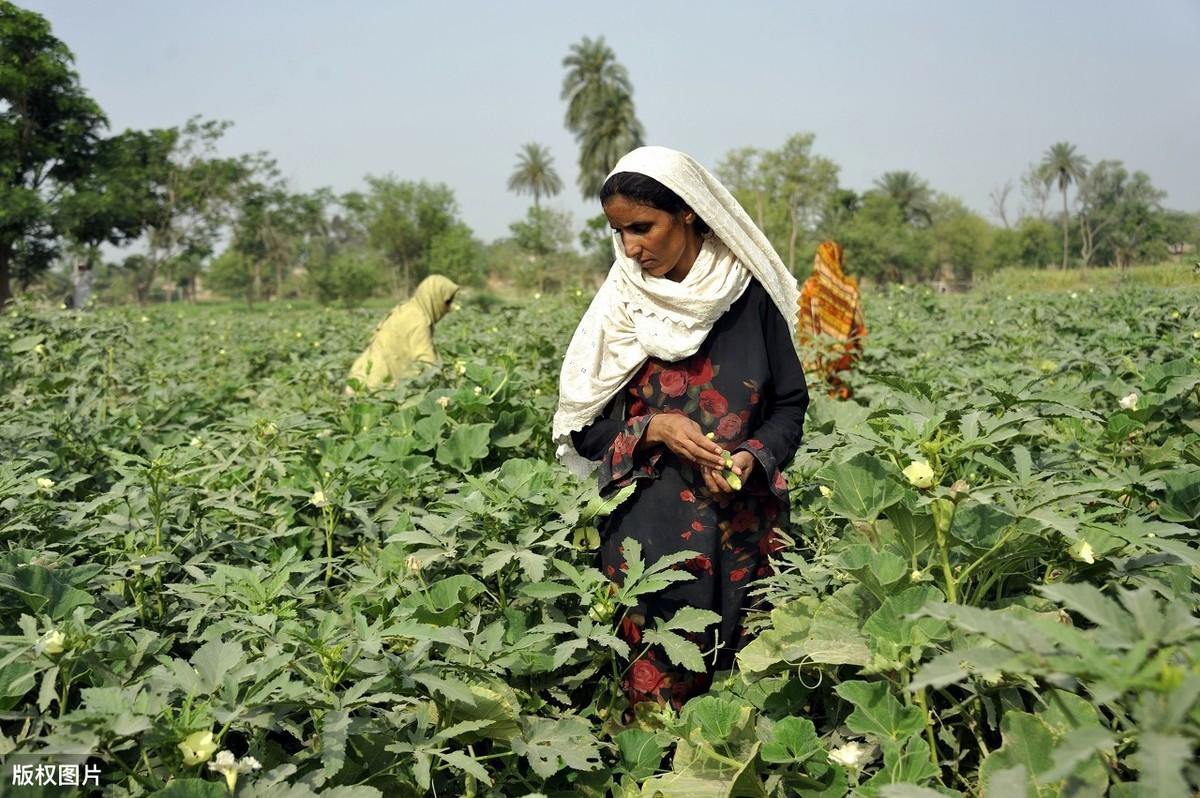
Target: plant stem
x=925, y=716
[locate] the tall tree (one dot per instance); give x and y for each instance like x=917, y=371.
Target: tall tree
x=613, y=129
x=742, y=172
x=118, y=198
x=196, y=202
x=1118, y=212
x=600, y=111
x=804, y=184
x=49, y=131
x=535, y=173
x=1063, y=166
x=401, y=219
x=911, y=193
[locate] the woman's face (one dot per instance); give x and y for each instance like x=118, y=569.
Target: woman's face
x=665, y=244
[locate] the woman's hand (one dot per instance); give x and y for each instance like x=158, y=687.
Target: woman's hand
x=743, y=464
x=683, y=437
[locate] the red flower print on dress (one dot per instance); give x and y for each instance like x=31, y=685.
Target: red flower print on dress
x=644, y=677
x=713, y=403
x=648, y=371
x=744, y=520
x=699, y=563
x=697, y=526
x=738, y=574
x=630, y=631
x=623, y=447
x=686, y=534
x=780, y=483
x=673, y=382
x=699, y=371
x=687, y=496
x=769, y=543
x=729, y=427
x=753, y=443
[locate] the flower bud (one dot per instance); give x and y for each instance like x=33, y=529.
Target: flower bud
x=943, y=514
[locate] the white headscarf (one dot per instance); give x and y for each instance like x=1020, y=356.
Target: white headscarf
x=634, y=317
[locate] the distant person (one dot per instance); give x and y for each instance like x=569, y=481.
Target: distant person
x=404, y=339
x=830, y=326
x=83, y=279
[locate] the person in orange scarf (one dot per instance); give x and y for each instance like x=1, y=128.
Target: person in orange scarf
x=829, y=325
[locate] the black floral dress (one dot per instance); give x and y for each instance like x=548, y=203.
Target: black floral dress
x=745, y=385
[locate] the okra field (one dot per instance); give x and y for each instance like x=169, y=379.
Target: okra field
x=208, y=547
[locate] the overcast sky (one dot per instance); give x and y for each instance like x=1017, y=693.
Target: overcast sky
x=966, y=94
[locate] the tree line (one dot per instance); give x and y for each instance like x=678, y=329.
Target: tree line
x=156, y=212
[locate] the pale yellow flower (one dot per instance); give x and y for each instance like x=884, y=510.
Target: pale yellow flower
x=826, y=492
x=318, y=498
x=197, y=747
x=44, y=483
x=1082, y=552
x=228, y=765
x=850, y=755
x=443, y=401
x=1129, y=402
x=919, y=474
x=52, y=643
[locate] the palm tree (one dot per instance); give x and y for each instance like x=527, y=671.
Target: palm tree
x=600, y=110
x=1062, y=165
x=535, y=173
x=611, y=130
x=592, y=68
x=909, y=192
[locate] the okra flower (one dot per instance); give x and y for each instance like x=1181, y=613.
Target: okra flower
x=443, y=401
x=228, y=765
x=1082, y=552
x=825, y=491
x=919, y=474
x=45, y=483
x=318, y=498
x=850, y=755
x=1129, y=402
x=197, y=747
x=52, y=643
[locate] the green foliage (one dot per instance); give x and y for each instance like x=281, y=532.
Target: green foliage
x=348, y=277
x=600, y=111
x=535, y=173
x=396, y=593
x=457, y=254
x=401, y=220
x=49, y=132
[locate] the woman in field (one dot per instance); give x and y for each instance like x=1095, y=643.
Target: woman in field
x=687, y=351
x=830, y=327
x=404, y=340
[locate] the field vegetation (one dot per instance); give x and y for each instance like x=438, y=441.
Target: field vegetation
x=208, y=547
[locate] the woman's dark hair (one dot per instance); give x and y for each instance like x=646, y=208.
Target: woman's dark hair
x=644, y=190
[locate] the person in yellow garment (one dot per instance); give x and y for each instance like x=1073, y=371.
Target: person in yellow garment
x=404, y=339
x=829, y=324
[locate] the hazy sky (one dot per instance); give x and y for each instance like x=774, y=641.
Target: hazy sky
x=966, y=94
